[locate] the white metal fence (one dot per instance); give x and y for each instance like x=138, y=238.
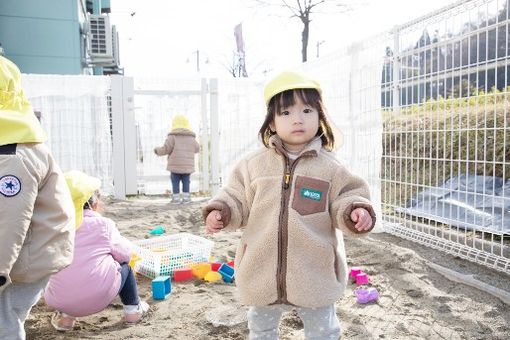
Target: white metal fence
x=445, y=179
x=74, y=112
x=423, y=111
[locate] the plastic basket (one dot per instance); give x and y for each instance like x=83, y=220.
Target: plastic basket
x=162, y=255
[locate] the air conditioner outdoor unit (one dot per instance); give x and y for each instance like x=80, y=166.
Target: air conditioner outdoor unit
x=100, y=49
x=115, y=45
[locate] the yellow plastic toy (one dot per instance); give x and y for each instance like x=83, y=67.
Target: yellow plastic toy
x=132, y=261
x=200, y=269
x=212, y=276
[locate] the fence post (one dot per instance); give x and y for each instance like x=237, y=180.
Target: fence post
x=396, y=70
x=130, y=136
x=123, y=132
x=215, y=136
x=119, y=177
x=204, y=140
x=354, y=107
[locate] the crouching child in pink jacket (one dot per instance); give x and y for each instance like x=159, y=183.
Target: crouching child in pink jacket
x=100, y=270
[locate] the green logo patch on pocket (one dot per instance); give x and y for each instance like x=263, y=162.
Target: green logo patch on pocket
x=311, y=194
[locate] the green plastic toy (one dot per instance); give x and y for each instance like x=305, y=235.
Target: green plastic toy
x=158, y=230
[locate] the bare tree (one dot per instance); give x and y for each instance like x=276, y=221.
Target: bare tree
x=303, y=10
x=235, y=67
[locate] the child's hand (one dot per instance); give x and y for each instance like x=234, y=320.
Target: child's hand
x=362, y=218
x=213, y=222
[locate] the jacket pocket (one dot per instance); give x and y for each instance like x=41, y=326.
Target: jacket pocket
x=310, y=195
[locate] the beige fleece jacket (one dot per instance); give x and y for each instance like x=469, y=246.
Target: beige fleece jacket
x=294, y=215
x=181, y=147
x=36, y=215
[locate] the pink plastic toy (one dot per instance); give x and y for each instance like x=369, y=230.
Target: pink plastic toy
x=366, y=295
x=361, y=279
x=355, y=271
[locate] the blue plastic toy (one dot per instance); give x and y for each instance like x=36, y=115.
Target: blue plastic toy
x=161, y=287
x=227, y=273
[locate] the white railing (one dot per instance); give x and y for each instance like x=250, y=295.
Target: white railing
x=445, y=169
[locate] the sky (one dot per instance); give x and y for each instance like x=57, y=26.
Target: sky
x=162, y=37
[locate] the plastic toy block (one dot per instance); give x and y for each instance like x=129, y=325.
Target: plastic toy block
x=366, y=295
x=161, y=287
x=212, y=276
x=132, y=261
x=227, y=272
x=183, y=274
x=361, y=279
x=354, y=271
x=200, y=269
x=215, y=266
x=231, y=264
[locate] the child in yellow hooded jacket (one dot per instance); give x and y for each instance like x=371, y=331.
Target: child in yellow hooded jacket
x=180, y=146
x=36, y=210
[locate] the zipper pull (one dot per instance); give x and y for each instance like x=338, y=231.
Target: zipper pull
x=286, y=180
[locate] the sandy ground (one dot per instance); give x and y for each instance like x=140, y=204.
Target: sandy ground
x=416, y=301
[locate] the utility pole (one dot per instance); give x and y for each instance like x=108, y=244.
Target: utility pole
x=197, y=52
x=198, y=60
x=319, y=43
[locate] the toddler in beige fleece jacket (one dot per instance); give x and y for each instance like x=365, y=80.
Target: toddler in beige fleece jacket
x=295, y=202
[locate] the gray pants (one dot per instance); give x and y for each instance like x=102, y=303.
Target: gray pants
x=319, y=323
x=16, y=301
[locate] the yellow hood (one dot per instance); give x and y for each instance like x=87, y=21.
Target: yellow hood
x=180, y=122
x=17, y=119
x=81, y=186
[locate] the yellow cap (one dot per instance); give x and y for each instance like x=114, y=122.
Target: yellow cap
x=81, y=186
x=180, y=122
x=288, y=81
x=17, y=119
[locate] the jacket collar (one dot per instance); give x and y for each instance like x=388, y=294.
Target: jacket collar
x=89, y=213
x=182, y=132
x=312, y=149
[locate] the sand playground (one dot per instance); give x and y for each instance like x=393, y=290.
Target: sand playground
x=417, y=300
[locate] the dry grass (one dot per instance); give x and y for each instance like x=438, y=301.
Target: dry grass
x=425, y=148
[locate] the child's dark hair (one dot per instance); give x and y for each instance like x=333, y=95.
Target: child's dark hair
x=92, y=200
x=285, y=99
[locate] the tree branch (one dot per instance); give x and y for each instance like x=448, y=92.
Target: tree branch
x=311, y=5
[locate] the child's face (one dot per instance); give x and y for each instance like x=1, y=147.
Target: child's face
x=296, y=125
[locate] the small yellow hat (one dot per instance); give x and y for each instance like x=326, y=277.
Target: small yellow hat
x=81, y=186
x=17, y=119
x=288, y=81
x=180, y=122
